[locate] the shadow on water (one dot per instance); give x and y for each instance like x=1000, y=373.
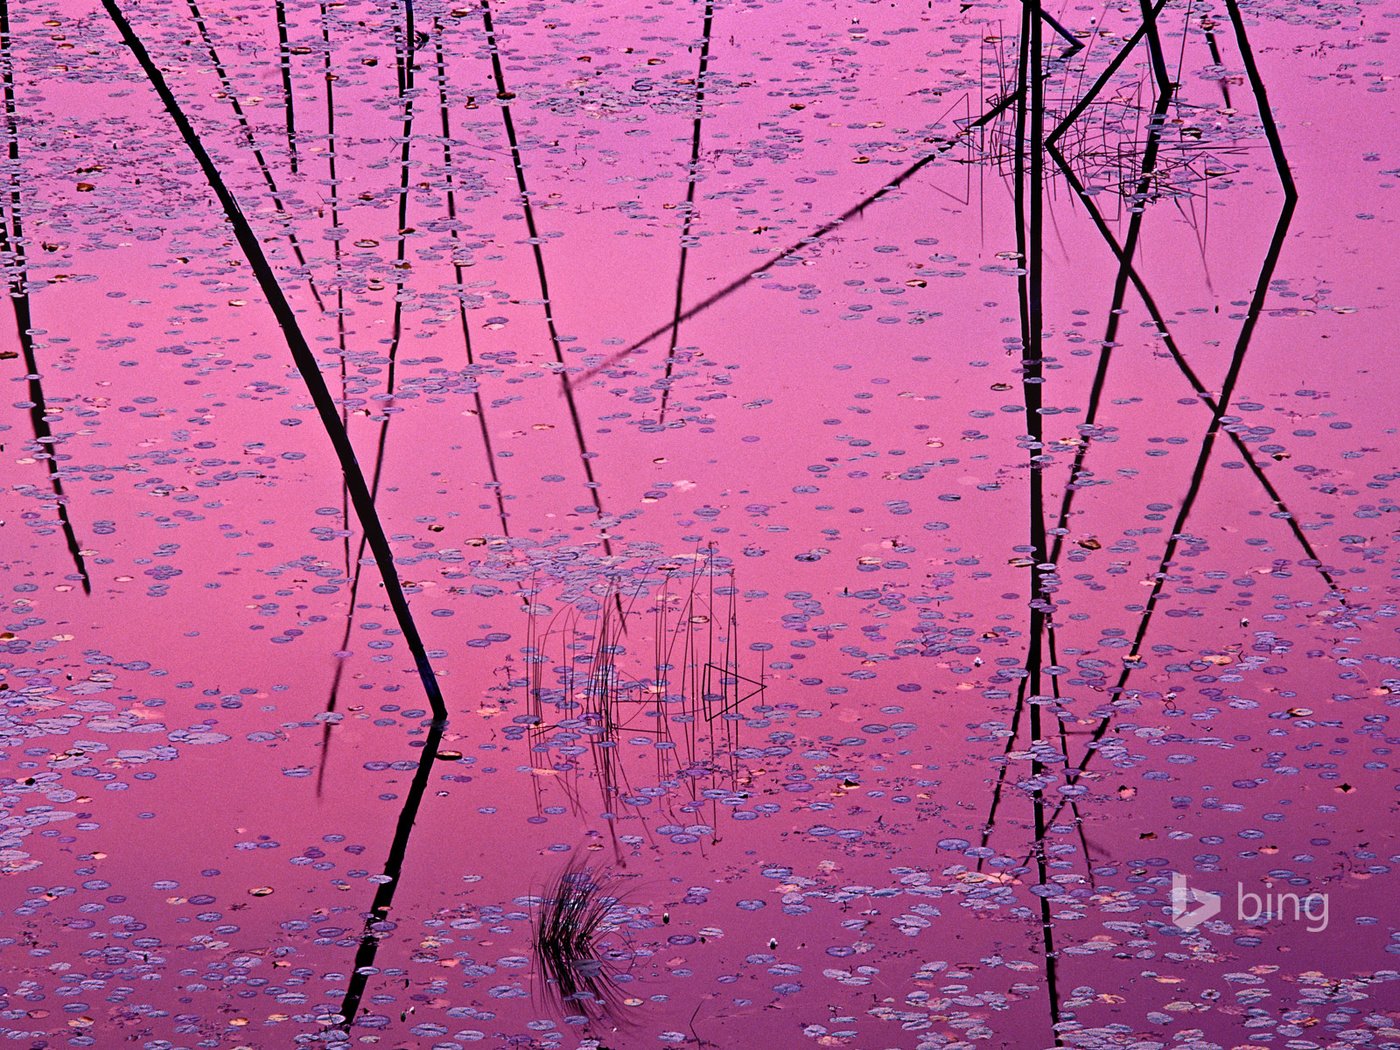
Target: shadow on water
x=687, y=702
x=1032, y=146
x=405, y=72
x=302, y=357
x=377, y=921
x=684, y=692
x=573, y=917
x=12, y=251
x=688, y=218
x=269, y=180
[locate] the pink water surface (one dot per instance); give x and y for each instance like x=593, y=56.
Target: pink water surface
x=844, y=445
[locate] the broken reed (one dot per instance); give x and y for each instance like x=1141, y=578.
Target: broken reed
x=584, y=686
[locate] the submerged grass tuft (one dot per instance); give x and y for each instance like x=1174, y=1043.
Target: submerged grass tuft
x=572, y=919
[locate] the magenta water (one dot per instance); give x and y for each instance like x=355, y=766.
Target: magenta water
x=893, y=501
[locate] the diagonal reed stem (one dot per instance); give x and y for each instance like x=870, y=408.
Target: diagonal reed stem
x=12, y=248
x=302, y=357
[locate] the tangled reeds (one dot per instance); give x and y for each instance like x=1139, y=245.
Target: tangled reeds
x=677, y=685
x=579, y=909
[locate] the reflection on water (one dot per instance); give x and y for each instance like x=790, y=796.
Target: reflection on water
x=698, y=523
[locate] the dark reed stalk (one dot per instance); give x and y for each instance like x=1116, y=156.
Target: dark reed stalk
x=569, y=703
x=13, y=250
x=1201, y=391
x=406, y=59
x=853, y=212
x=405, y=63
x=1242, y=344
x=303, y=358
x=306, y=364
x=392, y=874
x=1030, y=185
x=606, y=692
x=284, y=59
x=342, y=349
x=503, y=96
x=602, y=694
x=1124, y=253
x=1115, y=313
x=691, y=180
x=1075, y=44
x=1208, y=27
x=273, y=193
x=337, y=253
x=450, y=175
x=1103, y=78
x=1128, y=272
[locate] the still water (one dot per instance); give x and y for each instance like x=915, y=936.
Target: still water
x=697, y=523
